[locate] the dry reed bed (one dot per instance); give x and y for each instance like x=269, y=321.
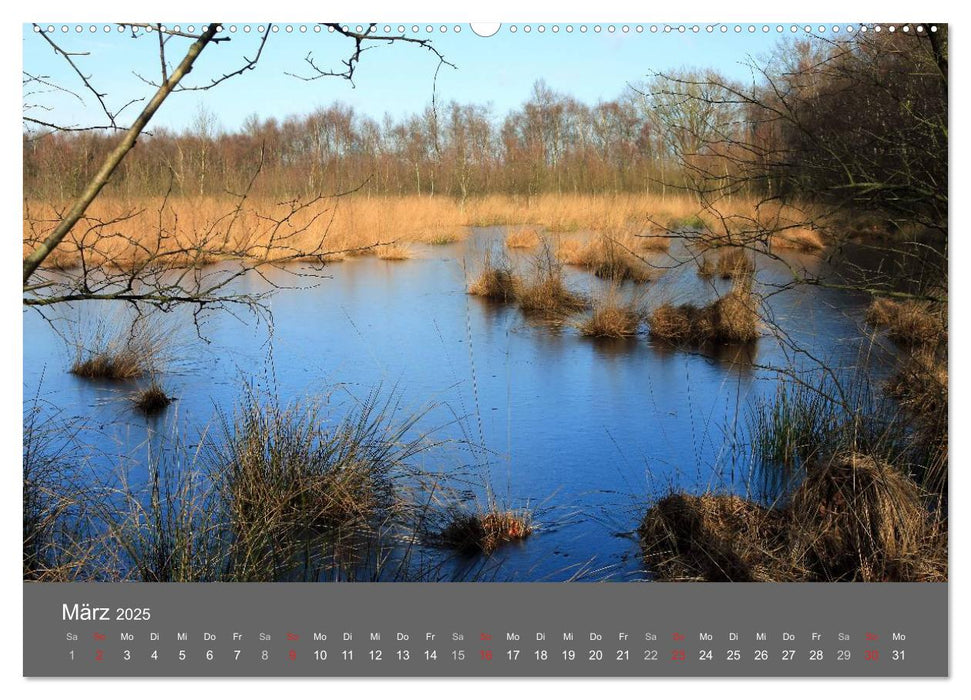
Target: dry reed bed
x=851, y=519
x=188, y=231
x=801, y=239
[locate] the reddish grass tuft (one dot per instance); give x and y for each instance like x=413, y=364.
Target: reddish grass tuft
x=486, y=532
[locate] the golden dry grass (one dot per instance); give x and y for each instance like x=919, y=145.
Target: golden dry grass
x=856, y=517
x=542, y=290
x=712, y=538
x=194, y=231
x=920, y=385
x=909, y=322
x=613, y=257
x=199, y=231
x=733, y=318
x=729, y=263
x=756, y=224
x=121, y=352
x=395, y=251
x=612, y=316
x=805, y=240
x=526, y=237
x=494, y=279
x=571, y=213
x=735, y=263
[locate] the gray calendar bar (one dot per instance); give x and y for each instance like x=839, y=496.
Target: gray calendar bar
x=485, y=629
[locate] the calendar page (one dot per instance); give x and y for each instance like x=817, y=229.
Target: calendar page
x=485, y=350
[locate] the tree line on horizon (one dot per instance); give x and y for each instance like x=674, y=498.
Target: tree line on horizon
x=859, y=122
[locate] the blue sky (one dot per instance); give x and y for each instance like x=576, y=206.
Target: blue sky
x=397, y=79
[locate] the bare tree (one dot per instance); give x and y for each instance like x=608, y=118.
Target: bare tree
x=98, y=261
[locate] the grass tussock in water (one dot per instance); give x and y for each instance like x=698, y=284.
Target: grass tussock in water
x=803, y=240
x=471, y=533
x=852, y=518
x=526, y=237
x=123, y=352
x=151, y=399
x=912, y=323
x=612, y=316
x=494, y=279
x=542, y=289
x=288, y=478
x=273, y=493
x=611, y=257
x=730, y=263
x=852, y=498
x=395, y=251
x=733, y=318
x=711, y=538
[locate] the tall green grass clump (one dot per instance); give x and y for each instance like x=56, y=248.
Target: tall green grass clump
x=57, y=534
x=303, y=493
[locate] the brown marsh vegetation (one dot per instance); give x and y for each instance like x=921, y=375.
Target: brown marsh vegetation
x=852, y=518
x=394, y=251
x=151, y=399
x=122, y=351
x=730, y=263
x=732, y=318
x=191, y=231
x=494, y=279
x=543, y=289
x=613, y=316
x=539, y=289
x=804, y=240
x=608, y=256
x=485, y=532
x=295, y=497
x=909, y=322
x=525, y=237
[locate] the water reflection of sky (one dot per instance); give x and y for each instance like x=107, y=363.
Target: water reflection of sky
x=583, y=430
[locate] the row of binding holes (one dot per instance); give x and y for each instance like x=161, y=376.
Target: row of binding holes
x=514, y=28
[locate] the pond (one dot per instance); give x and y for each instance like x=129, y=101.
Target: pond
x=584, y=432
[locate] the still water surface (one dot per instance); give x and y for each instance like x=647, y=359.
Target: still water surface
x=584, y=431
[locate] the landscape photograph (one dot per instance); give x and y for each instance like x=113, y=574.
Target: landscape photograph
x=463, y=303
